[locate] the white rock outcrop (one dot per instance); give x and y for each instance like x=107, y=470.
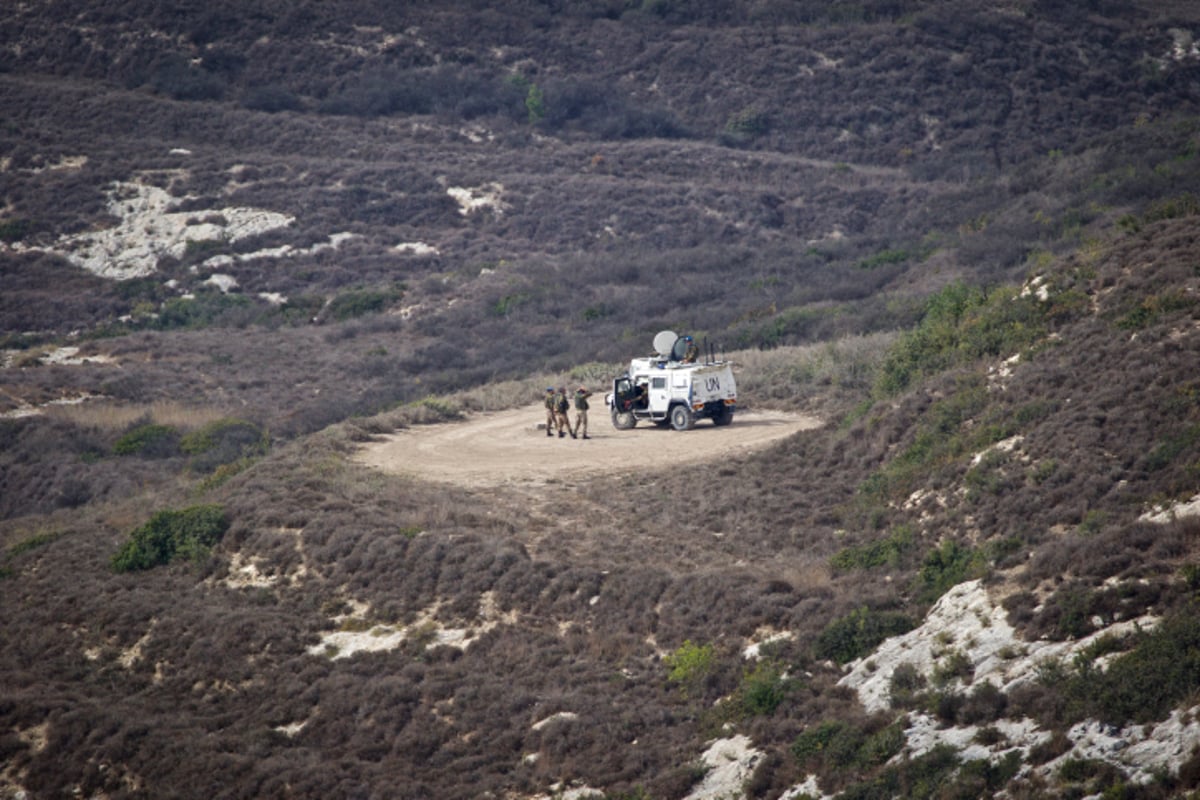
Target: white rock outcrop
x=148, y=229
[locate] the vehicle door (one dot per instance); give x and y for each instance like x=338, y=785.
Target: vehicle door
x=660, y=394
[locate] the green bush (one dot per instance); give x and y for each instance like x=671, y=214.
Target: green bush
x=1166, y=451
x=928, y=776
x=204, y=310
x=1151, y=308
x=905, y=686
x=882, y=552
x=942, y=435
x=535, y=104
x=749, y=122
x=884, y=258
x=775, y=329
x=816, y=744
x=13, y=230
x=430, y=410
x=762, y=690
x=224, y=442
x=1144, y=684
x=150, y=440
x=359, y=302
x=689, y=665
x=960, y=324
x=509, y=303
x=880, y=746
x=956, y=665
x=1191, y=576
x=301, y=309
x=32, y=543
x=835, y=745
x=188, y=533
x=857, y=633
x=597, y=312
x=946, y=566
x=224, y=472
x=1185, y=205
x=199, y=249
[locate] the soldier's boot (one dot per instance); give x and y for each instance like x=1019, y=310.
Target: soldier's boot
x=561, y=434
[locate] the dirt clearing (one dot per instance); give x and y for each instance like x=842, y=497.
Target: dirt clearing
x=509, y=447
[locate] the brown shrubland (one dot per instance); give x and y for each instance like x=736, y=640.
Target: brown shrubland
x=801, y=223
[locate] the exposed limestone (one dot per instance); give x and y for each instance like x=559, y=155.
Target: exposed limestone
x=416, y=249
x=764, y=637
x=283, y=251
x=148, y=229
x=425, y=630
x=561, y=716
x=476, y=198
x=731, y=762
x=965, y=622
x=1163, y=515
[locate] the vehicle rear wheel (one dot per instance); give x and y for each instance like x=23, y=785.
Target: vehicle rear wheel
x=623, y=420
x=722, y=416
x=681, y=418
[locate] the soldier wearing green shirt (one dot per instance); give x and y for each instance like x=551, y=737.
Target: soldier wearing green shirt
x=550, y=402
x=581, y=409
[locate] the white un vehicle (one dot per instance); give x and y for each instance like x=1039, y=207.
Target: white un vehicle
x=675, y=387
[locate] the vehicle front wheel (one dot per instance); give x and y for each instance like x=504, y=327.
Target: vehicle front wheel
x=623, y=420
x=681, y=418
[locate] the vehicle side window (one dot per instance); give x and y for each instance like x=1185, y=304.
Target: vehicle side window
x=658, y=383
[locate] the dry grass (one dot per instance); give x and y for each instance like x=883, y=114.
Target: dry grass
x=114, y=417
x=827, y=375
x=805, y=576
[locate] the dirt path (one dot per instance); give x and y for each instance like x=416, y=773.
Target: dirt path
x=508, y=447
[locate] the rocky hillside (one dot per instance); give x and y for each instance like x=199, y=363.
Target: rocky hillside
x=237, y=241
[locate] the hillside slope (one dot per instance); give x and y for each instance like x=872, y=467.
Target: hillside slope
x=239, y=242
x=354, y=632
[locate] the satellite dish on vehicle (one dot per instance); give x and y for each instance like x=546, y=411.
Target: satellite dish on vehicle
x=663, y=342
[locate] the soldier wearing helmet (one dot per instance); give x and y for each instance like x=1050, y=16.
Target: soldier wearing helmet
x=692, y=352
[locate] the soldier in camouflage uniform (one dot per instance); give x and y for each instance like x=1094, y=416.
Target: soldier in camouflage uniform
x=561, y=404
x=549, y=401
x=581, y=409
